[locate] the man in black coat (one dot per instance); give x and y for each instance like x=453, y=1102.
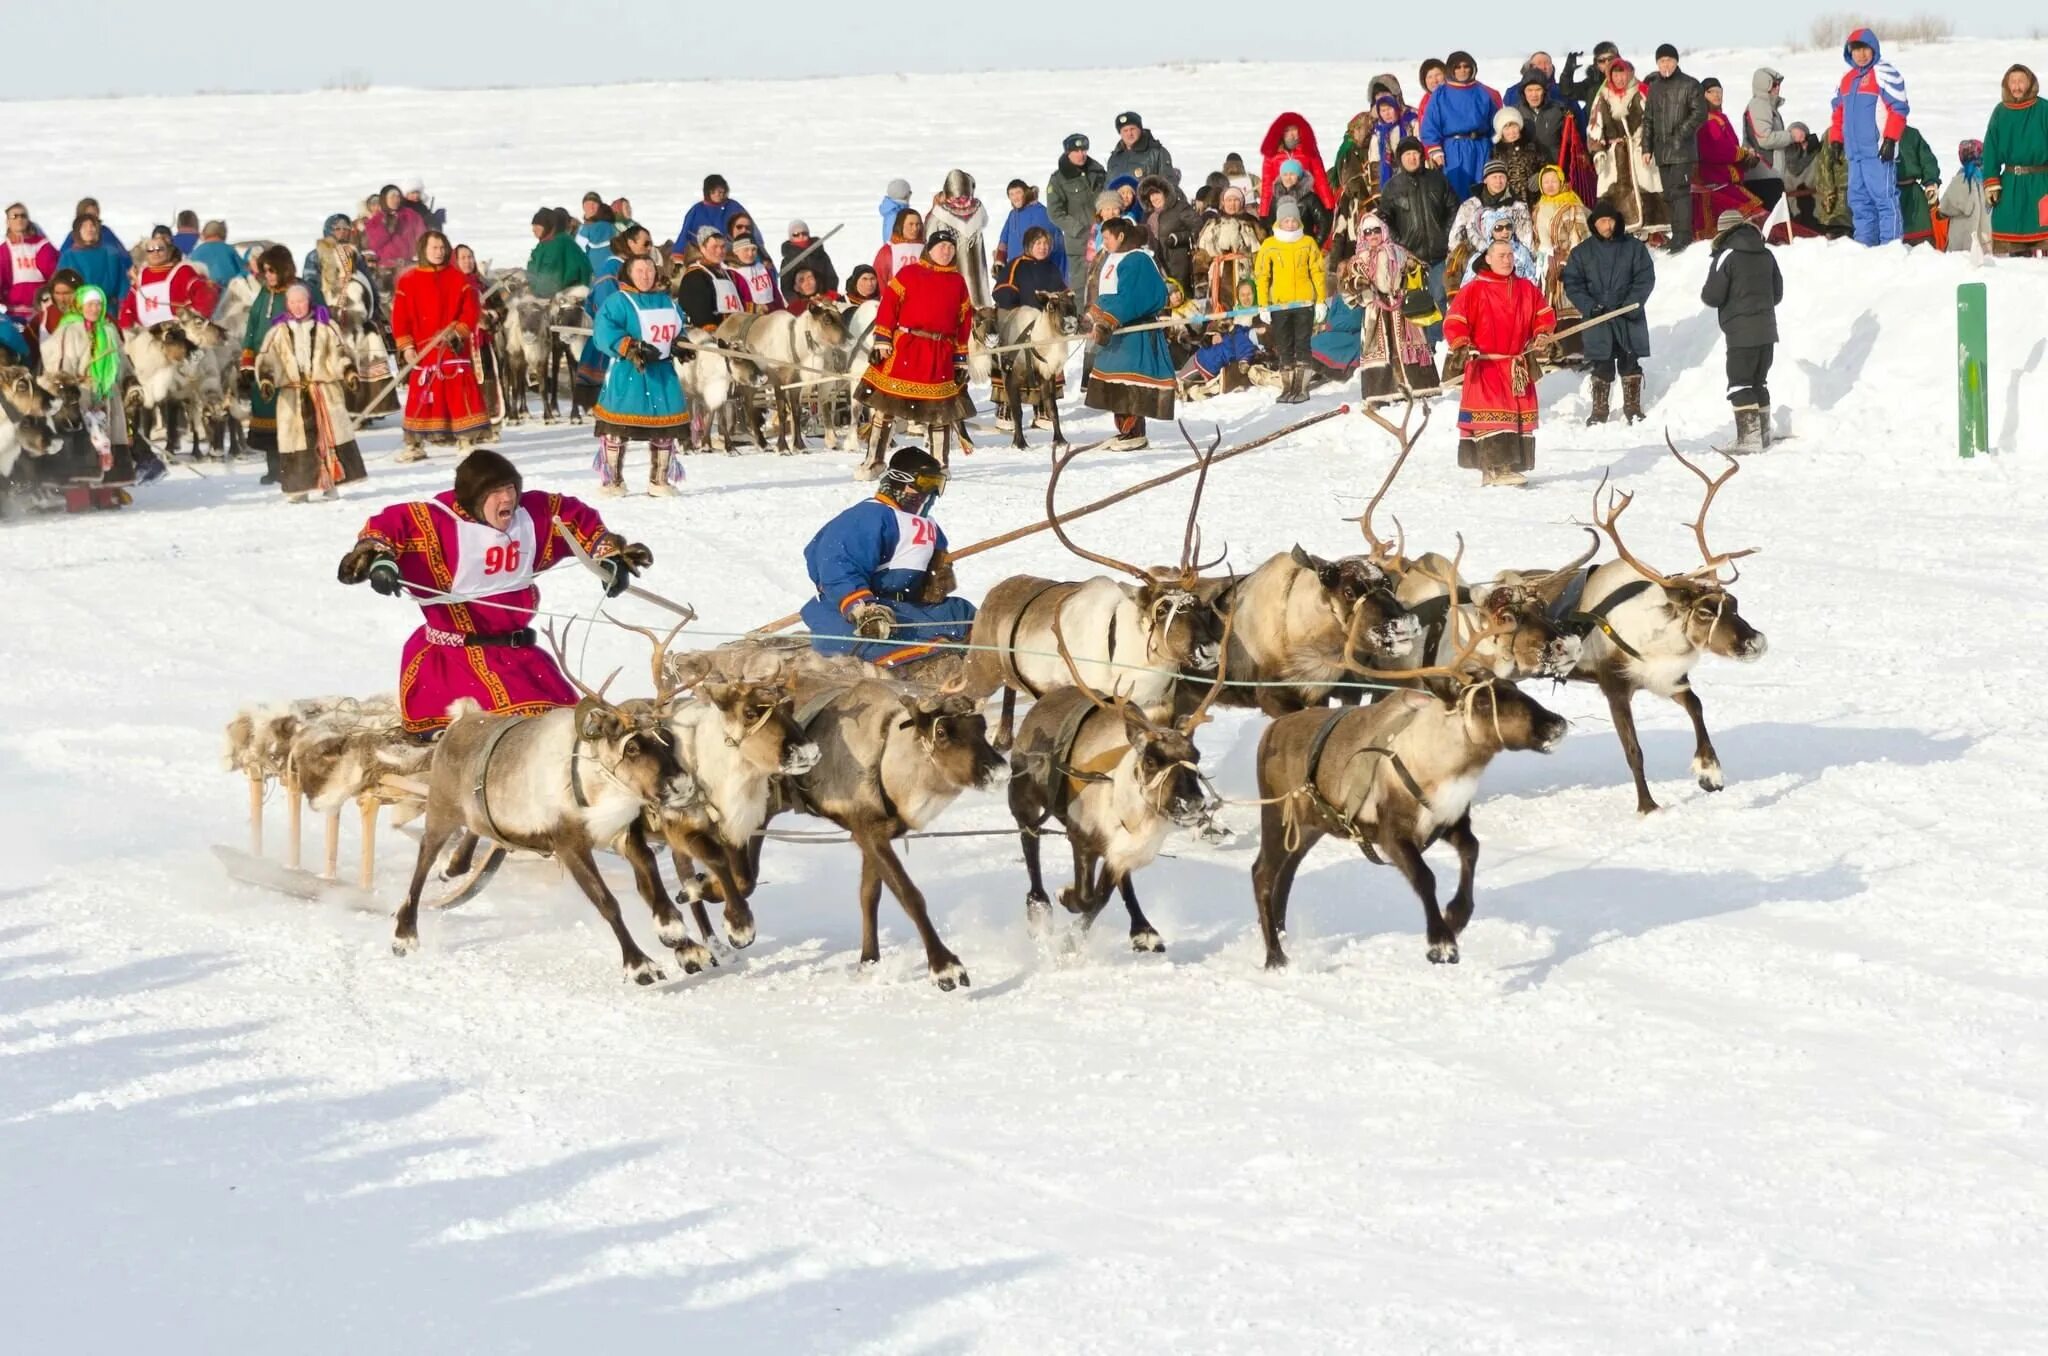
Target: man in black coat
x=1138, y=152
x=1606, y=271
x=1744, y=287
x=1418, y=206
x=1677, y=109
x=1171, y=224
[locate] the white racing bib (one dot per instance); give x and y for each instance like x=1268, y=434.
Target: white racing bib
x=916, y=539
x=727, y=294
x=488, y=561
x=659, y=325
x=760, y=280
x=902, y=254
x=153, y=303
x=22, y=254
x=1107, y=286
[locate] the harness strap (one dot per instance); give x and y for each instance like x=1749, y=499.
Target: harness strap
x=483, y=775
x=1595, y=617
x=1061, y=780
x=1013, y=671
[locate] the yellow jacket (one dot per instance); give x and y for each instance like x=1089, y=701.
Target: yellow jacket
x=1289, y=271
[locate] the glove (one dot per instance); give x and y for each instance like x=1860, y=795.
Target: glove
x=268, y=388
x=939, y=581
x=455, y=344
x=1265, y=316
x=1933, y=197
x=245, y=383
x=384, y=577
x=872, y=621
x=1100, y=334
x=1888, y=150
x=355, y=566
x=1322, y=310
x=1991, y=194
x=618, y=575
x=642, y=353
x=633, y=553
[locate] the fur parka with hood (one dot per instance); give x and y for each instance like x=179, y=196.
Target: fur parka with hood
x=1274, y=154
x=956, y=209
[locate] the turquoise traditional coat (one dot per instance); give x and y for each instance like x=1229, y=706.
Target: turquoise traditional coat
x=1133, y=373
x=640, y=402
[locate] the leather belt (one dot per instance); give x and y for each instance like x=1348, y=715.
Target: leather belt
x=521, y=639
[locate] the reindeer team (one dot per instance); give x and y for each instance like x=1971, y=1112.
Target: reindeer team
x=1424, y=666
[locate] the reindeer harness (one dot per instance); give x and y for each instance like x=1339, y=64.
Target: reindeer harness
x=1565, y=611
x=1339, y=819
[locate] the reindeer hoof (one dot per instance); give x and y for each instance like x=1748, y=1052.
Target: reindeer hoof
x=404, y=946
x=1709, y=774
x=695, y=957
x=1443, y=953
x=1037, y=914
x=741, y=935
x=644, y=972
x=1069, y=900
x=1276, y=960
x=1147, y=941
x=694, y=890
x=950, y=975
x=673, y=933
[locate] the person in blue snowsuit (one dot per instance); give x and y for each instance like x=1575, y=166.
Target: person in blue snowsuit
x=717, y=210
x=1457, y=123
x=882, y=574
x=1870, y=112
x=895, y=202
x=1026, y=211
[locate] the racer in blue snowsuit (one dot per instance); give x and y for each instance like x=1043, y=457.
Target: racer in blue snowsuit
x=1870, y=112
x=876, y=565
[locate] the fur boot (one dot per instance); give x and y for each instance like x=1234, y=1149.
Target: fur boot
x=1632, y=398
x=661, y=457
x=1603, y=393
x=1749, y=429
x=611, y=470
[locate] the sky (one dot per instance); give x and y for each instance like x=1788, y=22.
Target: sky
x=135, y=48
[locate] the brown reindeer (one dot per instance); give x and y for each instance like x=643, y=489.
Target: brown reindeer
x=1303, y=615
x=563, y=783
x=1116, y=781
x=1645, y=630
x=1133, y=639
x=1393, y=777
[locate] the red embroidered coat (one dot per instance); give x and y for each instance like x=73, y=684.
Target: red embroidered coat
x=926, y=315
x=1498, y=316
x=163, y=291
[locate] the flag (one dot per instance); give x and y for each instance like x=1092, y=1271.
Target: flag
x=1781, y=215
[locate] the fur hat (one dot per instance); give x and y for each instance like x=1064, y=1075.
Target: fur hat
x=1667, y=50
x=1504, y=116
x=1709, y=83
x=1124, y=120
x=1604, y=208
x=709, y=232
x=1407, y=144
x=1422, y=75
x=1728, y=221
x=277, y=259
x=715, y=181
x=477, y=474
x=1457, y=59
x=1107, y=198
x=1017, y=183
x=899, y=189
x=1601, y=49
x=1076, y=141
x=413, y=184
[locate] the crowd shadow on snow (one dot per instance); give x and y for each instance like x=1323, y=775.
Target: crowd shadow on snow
x=235, y=1212
x=1830, y=385
x=1753, y=752
x=2009, y=427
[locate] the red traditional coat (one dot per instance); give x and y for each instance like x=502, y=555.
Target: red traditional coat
x=441, y=549
x=159, y=293
x=926, y=316
x=435, y=310
x=1499, y=317
x=1717, y=183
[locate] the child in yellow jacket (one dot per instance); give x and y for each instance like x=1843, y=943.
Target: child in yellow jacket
x=1289, y=270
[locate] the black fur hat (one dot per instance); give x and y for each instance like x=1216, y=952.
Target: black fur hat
x=478, y=474
x=1457, y=59
x=1407, y=144
x=1075, y=142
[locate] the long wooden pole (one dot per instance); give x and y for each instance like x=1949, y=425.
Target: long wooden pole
x=1045, y=525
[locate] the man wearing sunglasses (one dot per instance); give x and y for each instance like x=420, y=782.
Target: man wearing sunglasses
x=881, y=571
x=28, y=261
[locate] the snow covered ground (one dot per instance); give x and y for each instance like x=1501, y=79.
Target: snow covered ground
x=1760, y=1073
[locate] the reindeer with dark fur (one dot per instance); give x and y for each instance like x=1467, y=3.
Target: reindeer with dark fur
x=1393, y=777
x=1136, y=639
x=1116, y=780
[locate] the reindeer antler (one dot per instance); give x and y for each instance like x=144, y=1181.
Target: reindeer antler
x=1698, y=525
x=1407, y=440
x=1191, y=540
x=1454, y=619
x=1617, y=504
x=1060, y=640
x=1052, y=486
x=562, y=663
x=1200, y=715
x=1570, y=566
x=665, y=687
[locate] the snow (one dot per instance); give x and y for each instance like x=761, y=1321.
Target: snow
x=1761, y=1072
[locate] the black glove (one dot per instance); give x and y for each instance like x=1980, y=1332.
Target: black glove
x=642, y=353
x=245, y=383
x=355, y=566
x=960, y=373
x=872, y=621
x=1888, y=150
x=618, y=575
x=455, y=344
x=384, y=577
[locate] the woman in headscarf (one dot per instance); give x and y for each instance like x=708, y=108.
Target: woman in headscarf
x=392, y=234
x=642, y=399
x=1717, y=181
x=917, y=368
x=305, y=370
x=1290, y=139
x=1132, y=376
x=1370, y=138
x=2016, y=165
x=84, y=357
x=274, y=270
x=1617, y=129
x=1560, y=223
x=1394, y=356
x=1968, y=220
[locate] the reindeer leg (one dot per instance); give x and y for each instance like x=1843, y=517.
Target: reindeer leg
x=1059, y=436
x=1620, y=696
x=1406, y=858
x=946, y=970
x=691, y=955
x=1144, y=937
x=739, y=917
x=793, y=402
x=870, y=908
x=576, y=857
x=1006, y=731
x=1273, y=877
x=1706, y=764
x=1095, y=896
x=1028, y=808
x=434, y=835
x=692, y=891
x=1467, y=844
x=1016, y=413
x=459, y=861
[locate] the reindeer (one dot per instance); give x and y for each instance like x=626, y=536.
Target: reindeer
x=28, y=407
x=1645, y=630
x=562, y=784
x=156, y=358
x=1137, y=639
x=544, y=357
x=1117, y=782
x=706, y=376
x=1304, y=619
x=1393, y=777
x=201, y=391
x=787, y=347
x=1047, y=329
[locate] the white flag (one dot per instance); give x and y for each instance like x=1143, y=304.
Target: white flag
x=1781, y=215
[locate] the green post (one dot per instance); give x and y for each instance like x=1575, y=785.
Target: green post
x=1973, y=398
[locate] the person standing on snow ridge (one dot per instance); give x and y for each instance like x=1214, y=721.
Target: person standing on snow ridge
x=880, y=572
x=305, y=371
x=2016, y=166
x=1500, y=325
x=1765, y=135
x=917, y=369
x=1962, y=203
x=955, y=208
x=1608, y=270
x=434, y=318
x=1290, y=139
x=895, y=202
x=484, y=540
x=1870, y=111
x=1744, y=287
x=1674, y=112
x=642, y=399
x=1419, y=209
x=1919, y=187
x=1026, y=214
x=1139, y=152
x=1289, y=272
x=1131, y=376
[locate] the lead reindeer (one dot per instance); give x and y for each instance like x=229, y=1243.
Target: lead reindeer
x=1039, y=338
x=1135, y=640
x=563, y=784
x=1117, y=781
x=1393, y=777
x=1646, y=630
x=787, y=347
